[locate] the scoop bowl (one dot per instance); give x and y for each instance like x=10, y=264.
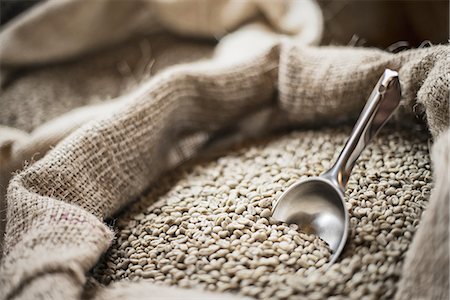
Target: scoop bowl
x=317, y=206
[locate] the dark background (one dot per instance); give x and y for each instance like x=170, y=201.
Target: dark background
x=378, y=23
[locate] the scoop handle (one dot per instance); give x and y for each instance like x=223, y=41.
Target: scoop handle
x=381, y=104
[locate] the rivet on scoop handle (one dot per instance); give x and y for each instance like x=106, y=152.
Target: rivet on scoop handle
x=381, y=104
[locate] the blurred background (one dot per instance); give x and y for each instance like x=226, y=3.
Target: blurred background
x=377, y=23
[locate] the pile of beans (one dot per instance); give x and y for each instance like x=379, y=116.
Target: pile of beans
x=207, y=224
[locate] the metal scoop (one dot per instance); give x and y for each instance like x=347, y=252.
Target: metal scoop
x=317, y=204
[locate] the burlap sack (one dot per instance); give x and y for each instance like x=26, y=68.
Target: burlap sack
x=118, y=69
x=56, y=207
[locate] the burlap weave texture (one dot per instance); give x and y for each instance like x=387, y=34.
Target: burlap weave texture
x=57, y=206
